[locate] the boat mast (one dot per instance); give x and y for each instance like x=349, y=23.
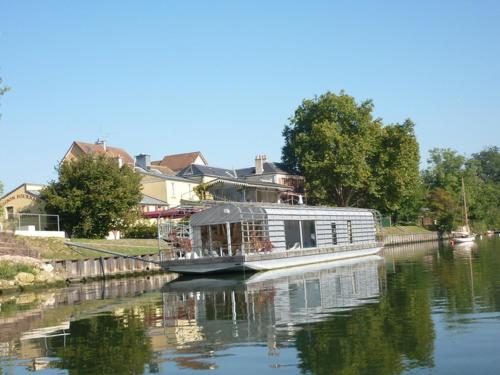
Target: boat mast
x=466, y=219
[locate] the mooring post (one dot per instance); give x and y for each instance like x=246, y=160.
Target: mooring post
x=101, y=261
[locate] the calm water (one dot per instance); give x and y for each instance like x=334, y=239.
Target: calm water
x=416, y=310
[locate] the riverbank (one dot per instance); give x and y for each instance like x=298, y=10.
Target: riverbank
x=399, y=230
x=55, y=249
x=21, y=272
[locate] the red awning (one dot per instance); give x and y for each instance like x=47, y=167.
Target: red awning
x=173, y=213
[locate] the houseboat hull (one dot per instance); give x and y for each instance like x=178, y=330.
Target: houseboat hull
x=268, y=261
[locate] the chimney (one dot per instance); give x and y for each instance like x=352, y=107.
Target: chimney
x=143, y=161
x=101, y=142
x=259, y=163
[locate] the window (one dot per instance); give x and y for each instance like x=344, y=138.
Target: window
x=308, y=233
x=292, y=234
x=173, y=189
x=10, y=212
x=300, y=234
x=334, y=233
x=349, y=230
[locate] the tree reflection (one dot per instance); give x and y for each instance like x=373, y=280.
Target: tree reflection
x=107, y=344
x=384, y=338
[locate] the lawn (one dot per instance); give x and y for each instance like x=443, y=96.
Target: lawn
x=403, y=230
x=55, y=248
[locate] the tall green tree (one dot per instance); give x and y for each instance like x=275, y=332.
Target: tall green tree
x=93, y=195
x=350, y=158
x=489, y=164
x=482, y=187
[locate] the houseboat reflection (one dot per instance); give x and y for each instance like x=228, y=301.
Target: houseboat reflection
x=267, y=306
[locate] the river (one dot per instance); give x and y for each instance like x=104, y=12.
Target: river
x=420, y=309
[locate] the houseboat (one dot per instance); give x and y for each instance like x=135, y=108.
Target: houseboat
x=236, y=237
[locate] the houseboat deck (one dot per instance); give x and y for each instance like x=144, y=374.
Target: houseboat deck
x=269, y=261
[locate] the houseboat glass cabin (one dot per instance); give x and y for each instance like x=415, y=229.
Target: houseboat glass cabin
x=231, y=237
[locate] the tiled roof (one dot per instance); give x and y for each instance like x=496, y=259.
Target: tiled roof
x=164, y=170
x=163, y=176
x=178, y=162
x=150, y=201
x=114, y=152
x=206, y=170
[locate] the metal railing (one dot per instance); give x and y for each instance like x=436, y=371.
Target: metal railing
x=41, y=222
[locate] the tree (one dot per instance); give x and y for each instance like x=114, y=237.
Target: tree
x=396, y=170
x=482, y=187
x=347, y=157
x=93, y=195
x=489, y=164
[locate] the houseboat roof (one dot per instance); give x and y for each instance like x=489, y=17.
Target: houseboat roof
x=234, y=212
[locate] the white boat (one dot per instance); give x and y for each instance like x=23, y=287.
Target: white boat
x=464, y=235
x=237, y=237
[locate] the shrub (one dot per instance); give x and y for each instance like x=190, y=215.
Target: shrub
x=141, y=230
x=8, y=270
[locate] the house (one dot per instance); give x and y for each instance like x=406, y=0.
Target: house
x=23, y=199
x=178, y=162
x=161, y=183
x=23, y=211
x=272, y=172
x=78, y=148
x=225, y=184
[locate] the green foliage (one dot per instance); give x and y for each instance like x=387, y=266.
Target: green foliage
x=489, y=164
x=351, y=159
x=141, y=230
x=8, y=270
x=383, y=338
x=107, y=344
x=93, y=196
x=482, y=187
x=201, y=191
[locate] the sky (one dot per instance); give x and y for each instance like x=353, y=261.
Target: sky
x=224, y=77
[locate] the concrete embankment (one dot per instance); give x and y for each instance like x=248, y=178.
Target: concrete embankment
x=107, y=266
x=392, y=240
x=44, y=273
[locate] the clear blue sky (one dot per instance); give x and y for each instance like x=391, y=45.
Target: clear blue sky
x=164, y=77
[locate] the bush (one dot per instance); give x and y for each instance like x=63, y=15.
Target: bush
x=8, y=270
x=142, y=230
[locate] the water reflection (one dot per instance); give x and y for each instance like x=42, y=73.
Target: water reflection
x=271, y=303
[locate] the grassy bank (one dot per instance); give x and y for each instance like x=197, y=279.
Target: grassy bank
x=54, y=248
x=8, y=270
x=404, y=230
